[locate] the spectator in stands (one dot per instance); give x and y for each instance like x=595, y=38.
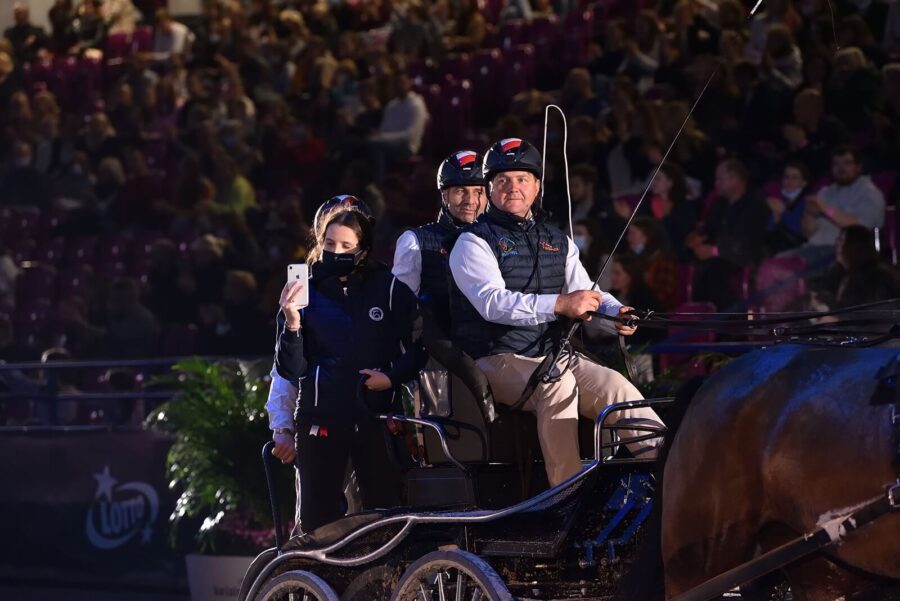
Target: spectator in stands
x=62, y=17
x=234, y=192
x=782, y=62
x=402, y=127
x=582, y=184
x=9, y=271
x=9, y=80
x=100, y=138
x=469, y=28
x=26, y=38
x=853, y=93
x=23, y=184
x=648, y=51
x=852, y=199
x=775, y=13
x=235, y=326
x=812, y=134
x=120, y=16
x=731, y=235
x=788, y=205
x=129, y=329
x=646, y=240
x=170, y=37
x=671, y=206
x=593, y=248
x=859, y=276
x=88, y=27
x=627, y=280
x=576, y=97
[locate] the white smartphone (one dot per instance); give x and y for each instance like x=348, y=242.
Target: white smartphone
x=300, y=272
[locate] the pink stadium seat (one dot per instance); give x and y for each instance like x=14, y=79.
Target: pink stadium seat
x=113, y=249
x=142, y=39
x=544, y=33
x=519, y=70
x=23, y=249
x=512, y=33
x=35, y=282
x=75, y=282
x=886, y=182
x=577, y=29
x=81, y=251
x=487, y=65
x=457, y=66
x=51, y=251
x=457, y=113
x=117, y=46
x=24, y=222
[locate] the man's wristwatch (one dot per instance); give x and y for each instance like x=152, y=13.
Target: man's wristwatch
x=283, y=431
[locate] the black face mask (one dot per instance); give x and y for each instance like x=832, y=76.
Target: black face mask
x=339, y=265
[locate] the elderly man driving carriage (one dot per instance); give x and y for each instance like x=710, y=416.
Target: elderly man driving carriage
x=516, y=275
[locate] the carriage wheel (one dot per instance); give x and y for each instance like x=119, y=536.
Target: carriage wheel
x=451, y=576
x=374, y=584
x=297, y=585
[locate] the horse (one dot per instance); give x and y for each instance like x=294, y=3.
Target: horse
x=768, y=448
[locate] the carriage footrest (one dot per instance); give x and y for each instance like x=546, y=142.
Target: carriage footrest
x=487, y=486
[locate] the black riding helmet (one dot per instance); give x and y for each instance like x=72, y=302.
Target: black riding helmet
x=511, y=154
x=461, y=168
x=342, y=201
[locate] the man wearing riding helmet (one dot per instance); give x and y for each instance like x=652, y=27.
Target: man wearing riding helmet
x=515, y=276
x=420, y=258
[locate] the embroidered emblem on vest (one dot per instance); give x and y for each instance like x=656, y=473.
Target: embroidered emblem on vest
x=546, y=246
x=376, y=314
x=507, y=247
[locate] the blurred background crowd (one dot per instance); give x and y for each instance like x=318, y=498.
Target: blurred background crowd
x=158, y=174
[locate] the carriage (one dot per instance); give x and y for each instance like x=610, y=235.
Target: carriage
x=481, y=524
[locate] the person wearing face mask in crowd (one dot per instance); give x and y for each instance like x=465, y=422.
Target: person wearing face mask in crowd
x=593, y=248
x=646, y=240
x=347, y=352
x=788, y=204
x=420, y=258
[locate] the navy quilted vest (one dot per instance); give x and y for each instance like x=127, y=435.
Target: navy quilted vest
x=531, y=254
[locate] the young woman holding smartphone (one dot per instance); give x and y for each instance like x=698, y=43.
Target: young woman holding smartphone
x=361, y=326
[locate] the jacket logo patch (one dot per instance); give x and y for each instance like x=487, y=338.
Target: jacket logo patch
x=507, y=247
x=546, y=246
x=443, y=252
x=376, y=314
x=319, y=431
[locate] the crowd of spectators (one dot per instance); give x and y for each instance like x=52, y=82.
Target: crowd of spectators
x=157, y=175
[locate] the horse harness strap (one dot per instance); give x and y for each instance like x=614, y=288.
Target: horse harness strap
x=831, y=531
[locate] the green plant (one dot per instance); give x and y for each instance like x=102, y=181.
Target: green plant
x=218, y=420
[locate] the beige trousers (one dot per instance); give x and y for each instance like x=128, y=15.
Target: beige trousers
x=586, y=389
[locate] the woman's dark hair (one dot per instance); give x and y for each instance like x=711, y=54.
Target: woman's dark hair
x=679, y=191
x=634, y=267
x=361, y=225
x=802, y=168
x=652, y=230
x=858, y=250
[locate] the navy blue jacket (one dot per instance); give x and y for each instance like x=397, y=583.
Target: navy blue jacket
x=370, y=321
